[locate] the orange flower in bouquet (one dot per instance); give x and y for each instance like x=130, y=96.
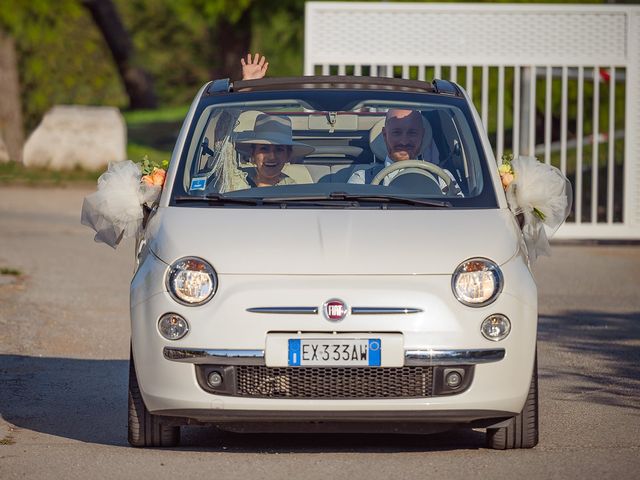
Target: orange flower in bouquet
x=153, y=175
x=506, y=171
x=155, y=178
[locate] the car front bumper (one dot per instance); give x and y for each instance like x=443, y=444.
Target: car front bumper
x=443, y=333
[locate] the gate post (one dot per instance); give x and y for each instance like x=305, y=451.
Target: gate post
x=631, y=214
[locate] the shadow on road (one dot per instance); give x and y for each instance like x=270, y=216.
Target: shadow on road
x=86, y=400
x=79, y=399
x=597, y=353
x=195, y=439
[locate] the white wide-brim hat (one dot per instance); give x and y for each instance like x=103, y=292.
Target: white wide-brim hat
x=271, y=130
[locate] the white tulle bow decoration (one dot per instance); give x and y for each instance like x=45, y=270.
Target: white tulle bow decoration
x=542, y=194
x=115, y=210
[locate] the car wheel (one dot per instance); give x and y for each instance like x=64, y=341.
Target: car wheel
x=145, y=429
x=522, y=430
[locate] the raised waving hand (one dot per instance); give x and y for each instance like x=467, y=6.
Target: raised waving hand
x=253, y=69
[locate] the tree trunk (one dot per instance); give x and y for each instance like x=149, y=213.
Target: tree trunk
x=11, y=128
x=232, y=43
x=137, y=82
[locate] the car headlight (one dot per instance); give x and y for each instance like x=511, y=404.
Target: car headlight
x=191, y=281
x=477, y=282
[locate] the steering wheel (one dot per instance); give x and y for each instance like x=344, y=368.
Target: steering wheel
x=420, y=164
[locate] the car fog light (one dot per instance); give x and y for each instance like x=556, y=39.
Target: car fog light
x=495, y=327
x=453, y=379
x=172, y=326
x=214, y=379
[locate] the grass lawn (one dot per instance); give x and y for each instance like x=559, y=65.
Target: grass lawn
x=168, y=114
x=13, y=173
x=153, y=132
x=137, y=152
x=149, y=132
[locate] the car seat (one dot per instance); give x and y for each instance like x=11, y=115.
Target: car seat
x=446, y=137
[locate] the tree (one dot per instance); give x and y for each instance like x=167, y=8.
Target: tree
x=272, y=28
x=11, y=130
x=50, y=72
x=234, y=41
x=204, y=39
x=228, y=25
x=137, y=82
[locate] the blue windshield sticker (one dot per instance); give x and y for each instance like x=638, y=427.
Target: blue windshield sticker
x=199, y=183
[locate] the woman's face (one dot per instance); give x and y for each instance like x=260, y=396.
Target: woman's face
x=269, y=160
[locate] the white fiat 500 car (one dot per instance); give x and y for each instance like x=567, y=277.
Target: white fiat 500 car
x=336, y=254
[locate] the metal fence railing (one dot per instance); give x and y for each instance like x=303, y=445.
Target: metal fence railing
x=561, y=82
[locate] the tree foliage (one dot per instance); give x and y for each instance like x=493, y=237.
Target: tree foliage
x=184, y=44
x=137, y=82
x=62, y=57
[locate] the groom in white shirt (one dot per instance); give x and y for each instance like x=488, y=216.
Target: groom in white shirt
x=403, y=132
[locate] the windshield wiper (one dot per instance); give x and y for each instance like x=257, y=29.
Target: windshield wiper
x=342, y=196
x=397, y=199
x=328, y=199
x=218, y=198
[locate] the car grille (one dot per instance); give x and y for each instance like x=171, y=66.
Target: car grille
x=333, y=382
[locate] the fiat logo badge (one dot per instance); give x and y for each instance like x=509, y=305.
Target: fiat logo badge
x=335, y=310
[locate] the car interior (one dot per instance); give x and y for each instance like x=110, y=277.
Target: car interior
x=347, y=141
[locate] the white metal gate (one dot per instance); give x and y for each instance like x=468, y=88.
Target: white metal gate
x=575, y=71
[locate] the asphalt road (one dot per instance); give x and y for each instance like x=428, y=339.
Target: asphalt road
x=64, y=358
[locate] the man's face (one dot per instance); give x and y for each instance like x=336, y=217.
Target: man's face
x=402, y=133
x=270, y=159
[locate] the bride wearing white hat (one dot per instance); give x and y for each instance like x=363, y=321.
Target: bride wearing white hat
x=270, y=145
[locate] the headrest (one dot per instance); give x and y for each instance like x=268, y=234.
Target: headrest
x=246, y=121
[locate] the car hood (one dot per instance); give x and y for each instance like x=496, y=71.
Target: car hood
x=332, y=242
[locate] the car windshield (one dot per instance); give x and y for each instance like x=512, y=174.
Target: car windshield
x=416, y=149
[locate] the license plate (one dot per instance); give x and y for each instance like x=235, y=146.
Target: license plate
x=344, y=352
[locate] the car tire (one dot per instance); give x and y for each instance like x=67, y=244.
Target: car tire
x=522, y=430
x=145, y=429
